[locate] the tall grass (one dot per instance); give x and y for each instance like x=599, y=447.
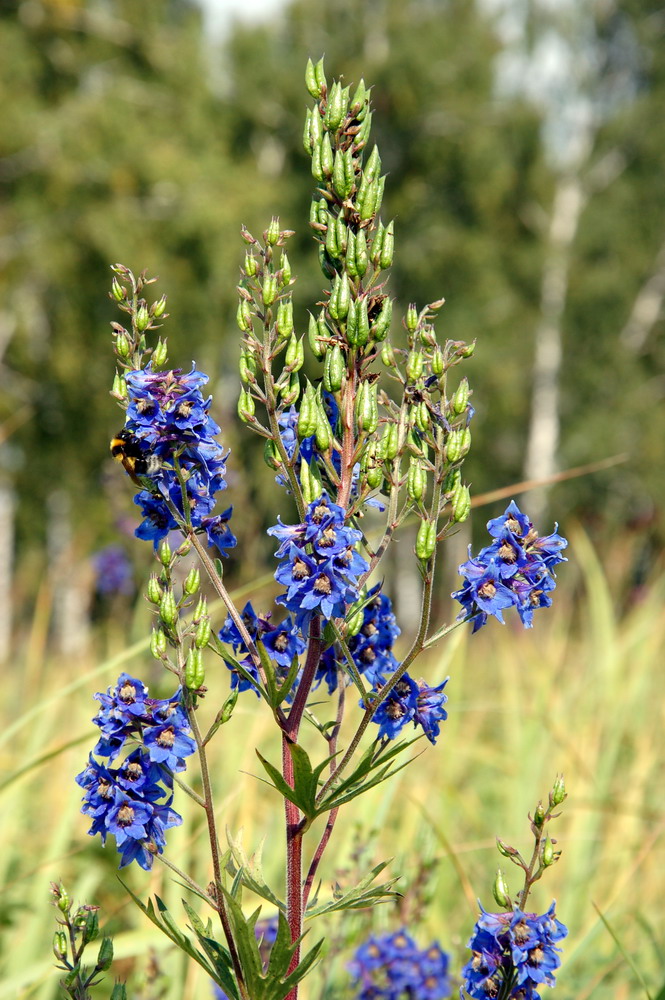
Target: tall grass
x=581, y=694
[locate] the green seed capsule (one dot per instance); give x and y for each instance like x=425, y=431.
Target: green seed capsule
x=317, y=166
x=364, y=131
x=361, y=255
x=117, y=291
x=326, y=156
x=437, y=362
x=323, y=431
x=154, y=592
x=311, y=81
x=414, y=366
x=381, y=325
x=306, y=135
x=390, y=442
x=159, y=354
x=387, y=354
x=269, y=289
x=340, y=180
x=122, y=345
x=367, y=412
x=316, y=346
x=387, y=247
x=194, y=670
x=331, y=239
x=272, y=232
x=291, y=355
x=350, y=258
x=158, y=644
x=354, y=622
x=246, y=406
x=352, y=324
x=367, y=200
x=372, y=168
x=307, y=417
x=244, y=316
x=349, y=171
x=426, y=540
x=465, y=441
x=335, y=107
x=454, y=446
x=377, y=244
x=461, y=504
x=341, y=235
x=320, y=75
x=333, y=368
x=421, y=416
x=291, y=390
x=142, y=318
x=374, y=477
x=192, y=581
x=168, y=610
x=271, y=455
x=362, y=322
x=416, y=480
x=358, y=99
x=500, y=889
x=285, y=270
x=203, y=630
x=461, y=398
x=411, y=318
x=60, y=945
x=105, y=955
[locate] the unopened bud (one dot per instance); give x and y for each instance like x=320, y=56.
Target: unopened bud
x=539, y=815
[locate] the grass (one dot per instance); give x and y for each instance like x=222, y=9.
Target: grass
x=579, y=694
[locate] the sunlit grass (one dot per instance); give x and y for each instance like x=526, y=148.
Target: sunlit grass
x=579, y=694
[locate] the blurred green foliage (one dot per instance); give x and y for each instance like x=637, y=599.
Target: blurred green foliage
x=127, y=135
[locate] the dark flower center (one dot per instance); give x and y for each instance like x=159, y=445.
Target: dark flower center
x=166, y=738
x=300, y=570
x=126, y=815
x=487, y=590
x=127, y=693
x=322, y=585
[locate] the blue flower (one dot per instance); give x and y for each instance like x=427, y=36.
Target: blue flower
x=516, y=948
x=397, y=709
x=429, y=708
x=372, y=647
x=392, y=967
x=132, y=798
x=515, y=570
x=113, y=571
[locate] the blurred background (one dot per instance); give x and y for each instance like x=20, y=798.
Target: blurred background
x=524, y=148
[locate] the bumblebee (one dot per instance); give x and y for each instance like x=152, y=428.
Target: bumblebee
x=136, y=461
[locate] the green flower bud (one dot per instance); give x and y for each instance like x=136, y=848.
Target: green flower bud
x=168, y=609
x=461, y=504
x=269, y=289
x=306, y=136
x=142, y=318
x=333, y=368
x=558, y=793
x=194, y=670
x=244, y=315
x=461, y=398
x=316, y=346
x=105, y=954
x=158, y=644
x=159, y=354
x=272, y=232
x=246, y=406
x=411, y=318
x=387, y=354
x=192, y=581
x=381, y=325
x=416, y=480
x=426, y=540
x=362, y=256
x=500, y=889
x=117, y=291
x=291, y=391
x=387, y=247
x=202, y=634
x=60, y=945
x=326, y=156
x=307, y=417
x=414, y=365
x=335, y=107
x=122, y=345
x=285, y=270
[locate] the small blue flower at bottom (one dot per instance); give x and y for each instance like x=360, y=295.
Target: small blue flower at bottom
x=514, y=948
x=392, y=967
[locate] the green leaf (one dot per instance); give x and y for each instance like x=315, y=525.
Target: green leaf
x=218, y=955
x=373, y=768
x=361, y=895
x=250, y=870
x=305, y=780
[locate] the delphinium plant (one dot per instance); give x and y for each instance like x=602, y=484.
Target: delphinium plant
x=364, y=426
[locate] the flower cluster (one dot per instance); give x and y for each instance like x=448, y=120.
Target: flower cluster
x=514, y=571
x=320, y=566
x=167, y=417
x=513, y=948
x=282, y=643
x=132, y=799
x=411, y=701
x=392, y=967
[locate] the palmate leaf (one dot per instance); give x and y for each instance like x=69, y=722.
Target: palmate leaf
x=361, y=895
x=217, y=965
x=249, y=869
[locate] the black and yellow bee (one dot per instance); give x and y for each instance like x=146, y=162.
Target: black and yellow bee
x=136, y=461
